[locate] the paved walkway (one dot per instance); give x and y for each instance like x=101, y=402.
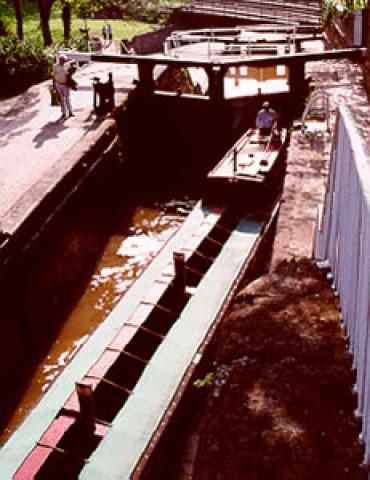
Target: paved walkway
x=32, y=139
x=307, y=165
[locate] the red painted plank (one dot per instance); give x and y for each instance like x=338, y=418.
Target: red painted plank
x=32, y=463
x=56, y=430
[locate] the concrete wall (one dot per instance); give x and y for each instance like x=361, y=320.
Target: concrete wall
x=348, y=30
x=183, y=131
x=367, y=43
x=151, y=42
x=340, y=31
x=341, y=34
x=184, y=20
x=345, y=28
x=49, y=258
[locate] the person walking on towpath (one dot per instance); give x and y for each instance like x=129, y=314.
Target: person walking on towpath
x=60, y=79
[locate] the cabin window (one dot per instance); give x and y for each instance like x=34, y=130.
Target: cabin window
x=280, y=70
x=244, y=71
x=179, y=81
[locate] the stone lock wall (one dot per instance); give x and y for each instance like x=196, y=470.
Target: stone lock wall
x=367, y=62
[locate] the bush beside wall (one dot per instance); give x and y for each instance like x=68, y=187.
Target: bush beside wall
x=22, y=63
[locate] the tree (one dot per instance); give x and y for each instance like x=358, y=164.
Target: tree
x=45, y=9
x=84, y=9
x=66, y=18
x=19, y=17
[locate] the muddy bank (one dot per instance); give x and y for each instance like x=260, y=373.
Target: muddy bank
x=281, y=402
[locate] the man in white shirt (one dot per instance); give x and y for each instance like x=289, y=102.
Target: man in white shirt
x=60, y=78
x=266, y=119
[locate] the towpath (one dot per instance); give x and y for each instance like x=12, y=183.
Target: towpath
x=32, y=140
x=308, y=162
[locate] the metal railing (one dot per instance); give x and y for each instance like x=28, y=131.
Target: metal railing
x=342, y=244
x=281, y=11
x=241, y=5
x=318, y=102
x=237, y=41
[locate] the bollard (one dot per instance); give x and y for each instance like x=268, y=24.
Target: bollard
x=87, y=411
x=110, y=91
x=96, y=85
x=103, y=95
x=235, y=161
x=318, y=143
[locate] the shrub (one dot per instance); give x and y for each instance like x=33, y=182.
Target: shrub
x=145, y=11
x=150, y=11
x=22, y=63
x=110, y=9
x=344, y=9
x=328, y=11
x=77, y=42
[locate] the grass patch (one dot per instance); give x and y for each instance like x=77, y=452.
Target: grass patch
x=121, y=28
x=32, y=30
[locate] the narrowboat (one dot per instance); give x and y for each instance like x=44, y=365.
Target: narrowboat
x=250, y=170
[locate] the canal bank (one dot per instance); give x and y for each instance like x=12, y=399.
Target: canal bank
x=279, y=385
x=47, y=259
x=121, y=236
x=54, y=176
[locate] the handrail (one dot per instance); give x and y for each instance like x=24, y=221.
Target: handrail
x=315, y=96
x=241, y=8
x=314, y=5
x=269, y=142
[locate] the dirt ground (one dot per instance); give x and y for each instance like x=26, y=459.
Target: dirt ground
x=281, y=404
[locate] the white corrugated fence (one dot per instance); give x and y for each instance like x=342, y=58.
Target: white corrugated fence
x=343, y=242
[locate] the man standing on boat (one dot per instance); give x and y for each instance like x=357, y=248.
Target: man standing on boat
x=267, y=119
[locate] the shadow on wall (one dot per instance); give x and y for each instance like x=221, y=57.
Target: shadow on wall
x=151, y=42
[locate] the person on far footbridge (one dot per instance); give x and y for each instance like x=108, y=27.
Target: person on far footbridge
x=104, y=32
x=109, y=33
